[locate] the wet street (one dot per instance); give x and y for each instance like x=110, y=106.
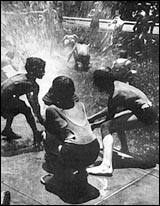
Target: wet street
x=135, y=180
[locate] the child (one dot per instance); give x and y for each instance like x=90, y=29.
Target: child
x=122, y=68
x=70, y=39
x=81, y=55
x=128, y=108
x=70, y=144
x=16, y=86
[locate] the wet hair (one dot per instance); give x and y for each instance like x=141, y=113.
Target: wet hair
x=61, y=93
x=35, y=65
x=103, y=79
x=63, y=86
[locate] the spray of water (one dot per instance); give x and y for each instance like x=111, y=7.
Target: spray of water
x=38, y=34
x=29, y=35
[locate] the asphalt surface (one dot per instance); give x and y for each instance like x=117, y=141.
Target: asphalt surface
x=134, y=182
x=20, y=174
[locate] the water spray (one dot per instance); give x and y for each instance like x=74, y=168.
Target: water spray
x=19, y=31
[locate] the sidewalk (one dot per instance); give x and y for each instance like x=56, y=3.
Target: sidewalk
x=20, y=174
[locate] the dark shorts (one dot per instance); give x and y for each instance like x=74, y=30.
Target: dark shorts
x=126, y=120
x=79, y=156
x=72, y=156
x=13, y=107
x=84, y=60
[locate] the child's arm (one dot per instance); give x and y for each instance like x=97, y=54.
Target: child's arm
x=55, y=124
x=65, y=37
x=33, y=101
x=97, y=124
x=91, y=13
x=98, y=115
x=70, y=55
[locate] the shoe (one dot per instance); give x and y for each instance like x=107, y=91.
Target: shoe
x=10, y=135
x=5, y=198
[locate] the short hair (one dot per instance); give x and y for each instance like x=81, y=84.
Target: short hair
x=102, y=78
x=34, y=65
x=63, y=86
x=61, y=93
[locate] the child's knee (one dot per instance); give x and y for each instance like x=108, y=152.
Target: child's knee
x=109, y=139
x=105, y=128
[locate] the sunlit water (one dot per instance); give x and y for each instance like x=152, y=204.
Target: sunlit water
x=28, y=39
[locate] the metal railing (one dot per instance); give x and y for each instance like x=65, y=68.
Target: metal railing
x=100, y=20
x=104, y=23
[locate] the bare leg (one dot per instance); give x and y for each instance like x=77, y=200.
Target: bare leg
x=122, y=136
x=8, y=125
x=8, y=130
x=122, y=121
x=105, y=168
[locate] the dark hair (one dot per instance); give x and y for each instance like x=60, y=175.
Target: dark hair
x=61, y=93
x=103, y=79
x=34, y=65
x=63, y=86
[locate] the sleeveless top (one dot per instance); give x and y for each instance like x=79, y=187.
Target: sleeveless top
x=77, y=133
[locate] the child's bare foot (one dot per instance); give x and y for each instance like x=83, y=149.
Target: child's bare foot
x=100, y=170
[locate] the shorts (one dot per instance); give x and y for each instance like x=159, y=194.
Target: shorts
x=83, y=59
x=13, y=107
x=79, y=156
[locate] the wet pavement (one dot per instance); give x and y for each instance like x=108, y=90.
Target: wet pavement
x=20, y=174
x=21, y=171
